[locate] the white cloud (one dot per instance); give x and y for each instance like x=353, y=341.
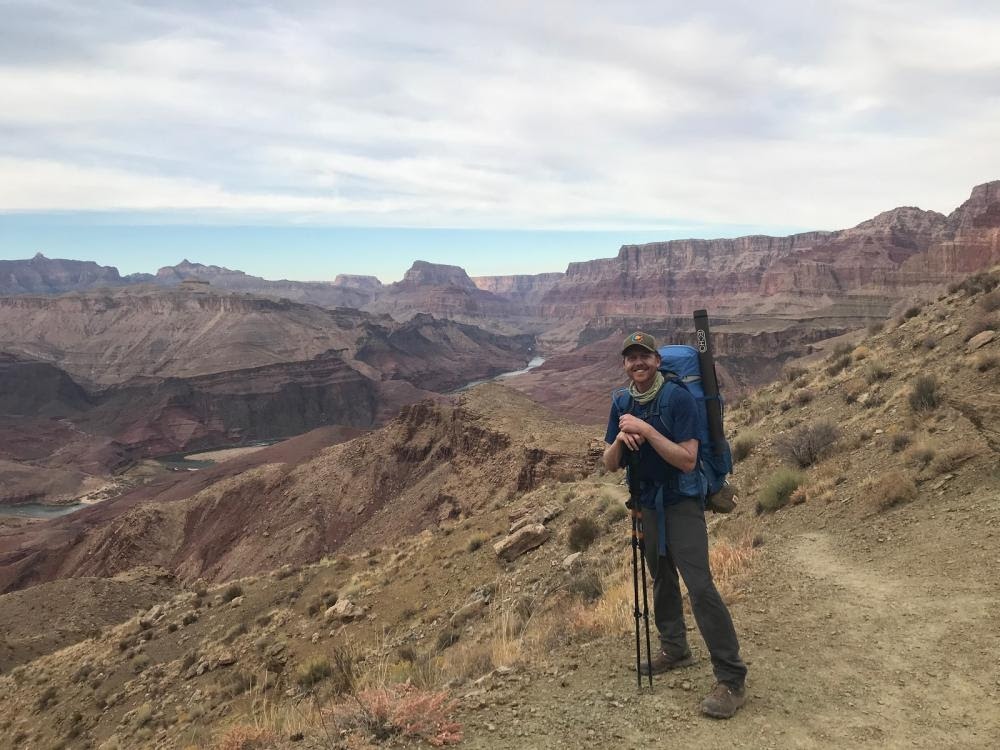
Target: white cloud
x=578, y=114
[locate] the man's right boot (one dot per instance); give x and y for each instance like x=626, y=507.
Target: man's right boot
x=664, y=662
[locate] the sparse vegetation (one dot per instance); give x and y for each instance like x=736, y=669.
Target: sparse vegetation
x=779, y=488
x=990, y=302
x=920, y=454
x=232, y=591
x=313, y=671
x=977, y=325
x=792, y=373
x=586, y=584
x=928, y=343
x=875, y=373
x=911, y=312
x=924, y=396
x=447, y=637
x=403, y=711
x=839, y=364
x=475, y=542
x=899, y=442
x=875, y=328
x=582, y=533
x=890, y=489
x=986, y=362
x=743, y=445
x=808, y=443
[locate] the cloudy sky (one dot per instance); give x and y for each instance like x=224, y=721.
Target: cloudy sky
x=537, y=133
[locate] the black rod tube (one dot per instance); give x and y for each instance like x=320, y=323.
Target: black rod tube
x=709, y=382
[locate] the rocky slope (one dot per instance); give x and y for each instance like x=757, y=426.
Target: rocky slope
x=880, y=554
x=431, y=464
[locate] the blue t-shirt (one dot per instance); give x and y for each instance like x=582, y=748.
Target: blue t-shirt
x=678, y=421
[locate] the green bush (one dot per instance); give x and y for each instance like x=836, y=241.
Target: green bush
x=743, y=445
x=925, y=396
x=582, y=533
x=778, y=490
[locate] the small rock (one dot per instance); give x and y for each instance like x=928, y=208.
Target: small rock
x=527, y=538
x=979, y=340
x=569, y=560
x=467, y=612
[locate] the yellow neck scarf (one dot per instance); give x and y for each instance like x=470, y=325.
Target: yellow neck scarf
x=650, y=394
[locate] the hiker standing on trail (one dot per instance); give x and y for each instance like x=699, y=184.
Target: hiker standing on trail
x=662, y=427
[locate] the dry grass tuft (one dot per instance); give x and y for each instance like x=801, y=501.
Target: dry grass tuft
x=808, y=443
x=246, y=738
x=890, y=489
x=743, y=445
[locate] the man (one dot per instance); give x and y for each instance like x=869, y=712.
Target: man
x=662, y=428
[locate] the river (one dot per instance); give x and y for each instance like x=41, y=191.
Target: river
x=535, y=362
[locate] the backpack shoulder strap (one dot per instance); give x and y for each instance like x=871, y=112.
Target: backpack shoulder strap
x=623, y=400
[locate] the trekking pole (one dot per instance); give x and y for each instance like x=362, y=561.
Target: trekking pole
x=638, y=558
x=645, y=604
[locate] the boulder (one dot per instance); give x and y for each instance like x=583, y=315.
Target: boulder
x=979, y=340
x=570, y=560
x=526, y=538
x=344, y=611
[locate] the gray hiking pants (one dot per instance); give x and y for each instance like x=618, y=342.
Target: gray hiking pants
x=687, y=552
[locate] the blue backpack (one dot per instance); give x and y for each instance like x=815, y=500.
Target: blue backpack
x=680, y=367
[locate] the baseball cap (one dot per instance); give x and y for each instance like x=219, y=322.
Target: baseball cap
x=640, y=339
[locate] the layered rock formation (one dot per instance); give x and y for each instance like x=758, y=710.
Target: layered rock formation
x=524, y=289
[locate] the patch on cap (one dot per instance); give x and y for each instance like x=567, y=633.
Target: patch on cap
x=640, y=339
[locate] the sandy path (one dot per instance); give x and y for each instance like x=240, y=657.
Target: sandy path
x=842, y=652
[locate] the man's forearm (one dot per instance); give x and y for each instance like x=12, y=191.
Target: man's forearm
x=674, y=454
x=612, y=456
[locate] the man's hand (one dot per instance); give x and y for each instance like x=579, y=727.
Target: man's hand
x=630, y=440
x=634, y=426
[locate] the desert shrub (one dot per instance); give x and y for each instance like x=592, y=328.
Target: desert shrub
x=986, y=362
x=46, y=698
x=950, y=458
x=912, y=312
x=984, y=281
x=447, y=637
x=582, y=533
x=232, y=591
x=875, y=373
x=860, y=353
x=743, y=445
x=954, y=287
x=586, y=584
x=803, y=396
x=899, y=442
x=313, y=671
x=838, y=364
x=778, y=490
x=890, y=489
x=792, y=373
x=874, y=328
x=841, y=349
x=477, y=541
x=990, y=302
x=925, y=395
x=188, y=618
x=977, y=325
x=808, y=443
x=233, y=683
x=402, y=711
x=344, y=671
x=928, y=342
x=920, y=454
x=235, y=632
x=616, y=513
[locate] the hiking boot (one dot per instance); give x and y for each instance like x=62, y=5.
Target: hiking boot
x=723, y=701
x=664, y=662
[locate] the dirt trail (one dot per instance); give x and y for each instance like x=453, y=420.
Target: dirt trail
x=846, y=649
